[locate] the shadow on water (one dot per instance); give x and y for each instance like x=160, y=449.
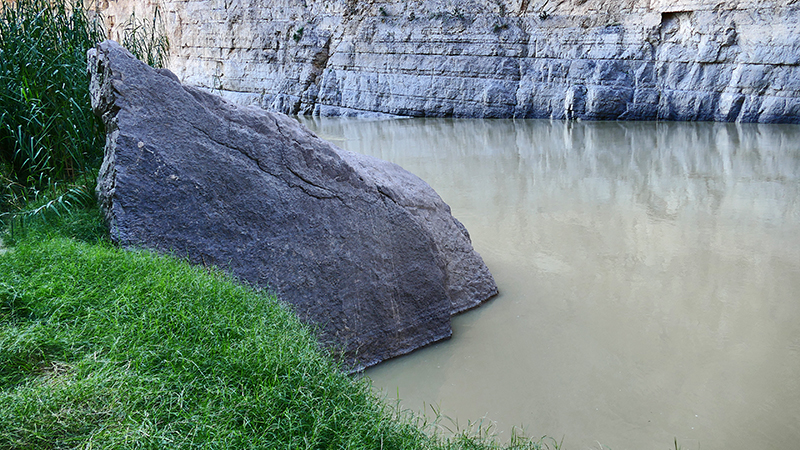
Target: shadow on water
x=649, y=277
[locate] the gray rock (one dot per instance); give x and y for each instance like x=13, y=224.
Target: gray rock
x=361, y=248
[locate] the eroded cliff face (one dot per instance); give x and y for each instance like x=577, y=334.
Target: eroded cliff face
x=588, y=59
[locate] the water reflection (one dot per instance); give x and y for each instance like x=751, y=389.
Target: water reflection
x=649, y=277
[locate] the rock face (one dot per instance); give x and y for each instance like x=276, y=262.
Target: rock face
x=589, y=59
x=360, y=247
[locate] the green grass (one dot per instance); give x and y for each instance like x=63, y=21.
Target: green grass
x=147, y=39
x=106, y=348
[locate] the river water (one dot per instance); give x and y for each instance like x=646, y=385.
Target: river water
x=649, y=277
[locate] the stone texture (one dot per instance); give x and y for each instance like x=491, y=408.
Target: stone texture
x=588, y=59
x=360, y=247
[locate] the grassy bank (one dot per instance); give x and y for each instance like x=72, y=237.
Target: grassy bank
x=106, y=348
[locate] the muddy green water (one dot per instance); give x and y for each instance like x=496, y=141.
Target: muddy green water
x=649, y=277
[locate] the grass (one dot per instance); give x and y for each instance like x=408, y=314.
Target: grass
x=147, y=39
x=106, y=348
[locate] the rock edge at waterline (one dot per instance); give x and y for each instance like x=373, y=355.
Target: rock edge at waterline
x=359, y=247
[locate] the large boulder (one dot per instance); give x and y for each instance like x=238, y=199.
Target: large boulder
x=361, y=248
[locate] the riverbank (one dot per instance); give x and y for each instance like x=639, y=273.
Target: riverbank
x=104, y=347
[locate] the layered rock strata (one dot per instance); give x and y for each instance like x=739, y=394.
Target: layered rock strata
x=361, y=248
x=587, y=59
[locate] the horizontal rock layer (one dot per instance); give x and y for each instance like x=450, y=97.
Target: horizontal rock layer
x=588, y=59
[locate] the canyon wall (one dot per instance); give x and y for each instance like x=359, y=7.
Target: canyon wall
x=587, y=59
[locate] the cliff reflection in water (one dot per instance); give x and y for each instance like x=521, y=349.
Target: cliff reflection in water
x=649, y=277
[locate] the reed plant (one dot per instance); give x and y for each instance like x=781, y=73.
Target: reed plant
x=49, y=138
x=146, y=38
x=51, y=144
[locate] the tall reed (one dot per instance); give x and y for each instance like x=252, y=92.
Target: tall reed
x=146, y=38
x=50, y=142
x=48, y=134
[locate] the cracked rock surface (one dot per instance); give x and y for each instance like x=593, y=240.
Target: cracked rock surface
x=359, y=247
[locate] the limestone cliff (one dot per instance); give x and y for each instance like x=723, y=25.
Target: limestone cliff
x=589, y=59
